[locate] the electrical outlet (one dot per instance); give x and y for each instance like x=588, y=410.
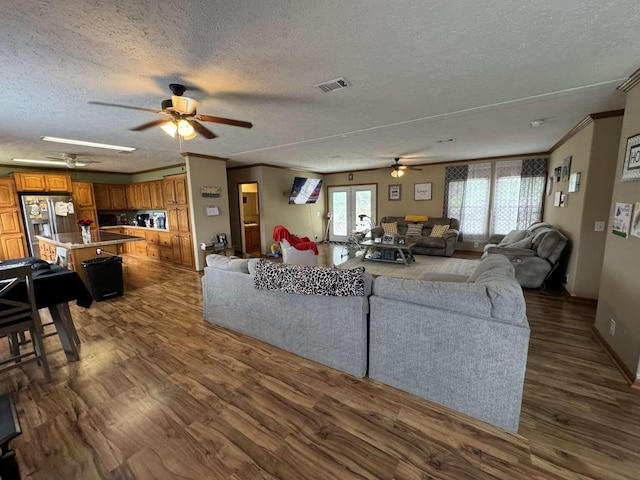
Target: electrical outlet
x=599, y=227
x=318, y=214
x=476, y=244
x=612, y=327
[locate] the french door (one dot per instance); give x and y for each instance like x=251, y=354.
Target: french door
x=346, y=204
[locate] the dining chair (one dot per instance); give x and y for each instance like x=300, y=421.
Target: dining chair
x=18, y=313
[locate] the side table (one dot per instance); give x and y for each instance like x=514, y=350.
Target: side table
x=227, y=252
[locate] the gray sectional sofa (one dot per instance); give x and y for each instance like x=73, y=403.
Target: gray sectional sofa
x=461, y=343
x=425, y=244
x=458, y=341
x=328, y=330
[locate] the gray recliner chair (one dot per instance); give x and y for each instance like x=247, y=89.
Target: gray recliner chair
x=534, y=252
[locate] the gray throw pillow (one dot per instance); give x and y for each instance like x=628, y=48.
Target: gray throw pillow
x=414, y=230
x=512, y=237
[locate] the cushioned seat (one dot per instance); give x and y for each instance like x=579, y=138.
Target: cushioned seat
x=534, y=252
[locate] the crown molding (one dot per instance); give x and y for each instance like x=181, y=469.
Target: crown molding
x=202, y=155
x=585, y=122
x=632, y=81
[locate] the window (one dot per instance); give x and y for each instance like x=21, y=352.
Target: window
x=516, y=202
x=467, y=192
x=518, y=193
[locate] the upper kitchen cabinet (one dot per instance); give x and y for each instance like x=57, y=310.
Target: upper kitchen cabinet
x=42, y=182
x=83, y=194
x=157, y=202
x=175, y=190
x=8, y=196
x=110, y=196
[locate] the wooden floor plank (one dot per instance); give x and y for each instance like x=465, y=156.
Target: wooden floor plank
x=160, y=394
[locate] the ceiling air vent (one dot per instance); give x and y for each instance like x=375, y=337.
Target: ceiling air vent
x=332, y=85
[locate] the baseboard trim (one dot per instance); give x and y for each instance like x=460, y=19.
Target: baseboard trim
x=629, y=376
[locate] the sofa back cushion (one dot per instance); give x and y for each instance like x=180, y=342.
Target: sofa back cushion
x=551, y=245
x=229, y=264
x=309, y=280
x=513, y=236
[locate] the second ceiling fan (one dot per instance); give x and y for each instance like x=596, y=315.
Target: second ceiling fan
x=397, y=169
x=180, y=116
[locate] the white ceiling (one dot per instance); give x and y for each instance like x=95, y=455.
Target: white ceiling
x=421, y=71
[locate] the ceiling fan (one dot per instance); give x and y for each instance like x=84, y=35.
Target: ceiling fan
x=397, y=169
x=179, y=116
x=70, y=160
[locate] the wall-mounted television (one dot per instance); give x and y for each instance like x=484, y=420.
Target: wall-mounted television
x=305, y=190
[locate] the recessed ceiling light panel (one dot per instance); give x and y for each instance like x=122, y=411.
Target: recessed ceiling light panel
x=89, y=144
x=536, y=123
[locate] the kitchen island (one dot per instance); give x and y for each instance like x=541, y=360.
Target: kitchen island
x=71, y=251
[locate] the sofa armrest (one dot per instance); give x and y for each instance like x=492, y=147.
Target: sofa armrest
x=495, y=238
x=512, y=252
x=451, y=233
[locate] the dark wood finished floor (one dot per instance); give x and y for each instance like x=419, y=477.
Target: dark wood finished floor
x=161, y=394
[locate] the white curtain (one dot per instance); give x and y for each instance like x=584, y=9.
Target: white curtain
x=467, y=195
x=517, y=194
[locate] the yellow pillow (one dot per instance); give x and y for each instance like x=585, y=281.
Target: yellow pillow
x=439, y=230
x=416, y=218
x=390, y=228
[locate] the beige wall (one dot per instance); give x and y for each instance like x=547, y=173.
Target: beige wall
x=620, y=280
x=274, y=186
x=593, y=150
x=202, y=172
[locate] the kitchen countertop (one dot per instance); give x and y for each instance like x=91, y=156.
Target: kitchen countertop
x=72, y=241
x=112, y=227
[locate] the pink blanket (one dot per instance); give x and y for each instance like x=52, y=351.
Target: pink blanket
x=304, y=243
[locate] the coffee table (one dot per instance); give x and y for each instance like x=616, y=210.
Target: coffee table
x=404, y=252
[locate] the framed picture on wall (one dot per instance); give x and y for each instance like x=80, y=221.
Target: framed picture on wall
x=549, y=185
x=422, y=191
x=394, y=192
x=557, y=172
x=631, y=167
x=566, y=169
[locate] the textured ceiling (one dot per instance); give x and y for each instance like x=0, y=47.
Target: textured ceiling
x=421, y=71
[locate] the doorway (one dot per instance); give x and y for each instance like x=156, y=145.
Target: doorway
x=346, y=204
x=249, y=202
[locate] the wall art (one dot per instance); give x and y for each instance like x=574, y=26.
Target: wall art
x=621, y=219
x=631, y=167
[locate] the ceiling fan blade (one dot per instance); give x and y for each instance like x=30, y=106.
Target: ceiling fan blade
x=225, y=121
x=413, y=168
x=202, y=130
x=104, y=104
x=144, y=126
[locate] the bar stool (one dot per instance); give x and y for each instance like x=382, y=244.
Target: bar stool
x=18, y=313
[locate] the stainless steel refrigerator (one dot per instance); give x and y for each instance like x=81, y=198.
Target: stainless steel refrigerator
x=47, y=215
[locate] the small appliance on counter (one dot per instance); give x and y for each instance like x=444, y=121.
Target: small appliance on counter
x=160, y=222
x=143, y=220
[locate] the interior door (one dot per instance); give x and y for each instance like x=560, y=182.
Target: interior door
x=345, y=205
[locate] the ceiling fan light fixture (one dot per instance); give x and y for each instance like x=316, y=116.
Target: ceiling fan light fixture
x=397, y=173
x=190, y=137
x=170, y=128
x=185, y=129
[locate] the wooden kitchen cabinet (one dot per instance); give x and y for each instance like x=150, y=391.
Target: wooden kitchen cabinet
x=143, y=194
x=132, y=200
x=13, y=246
x=13, y=242
x=118, y=197
x=175, y=190
x=8, y=195
x=110, y=196
x=83, y=194
x=10, y=221
x=42, y=182
x=157, y=201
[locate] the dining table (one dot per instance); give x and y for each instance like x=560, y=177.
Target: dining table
x=54, y=287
